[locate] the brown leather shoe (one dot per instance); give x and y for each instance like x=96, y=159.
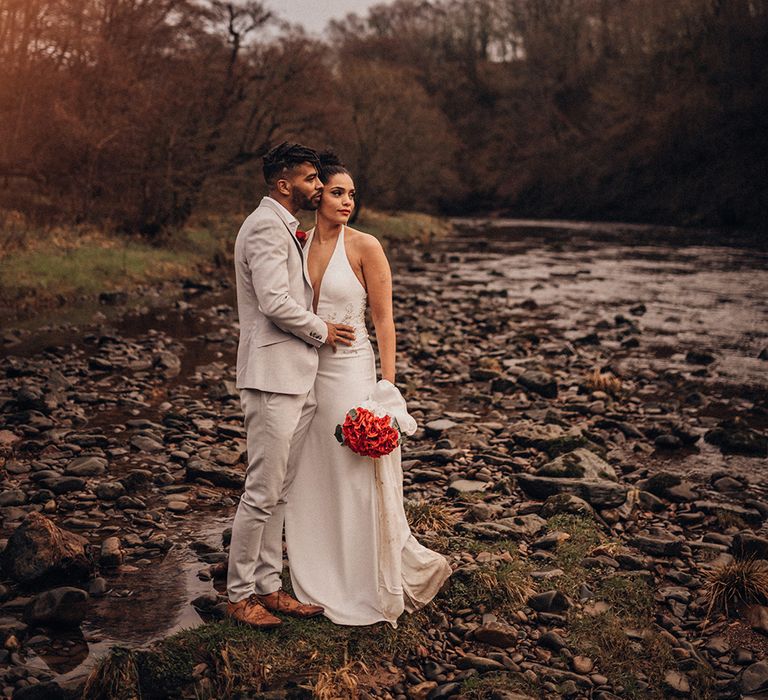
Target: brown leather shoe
x=250, y=612
x=282, y=602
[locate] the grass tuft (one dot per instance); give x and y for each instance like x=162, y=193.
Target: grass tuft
x=500, y=586
x=116, y=677
x=597, y=381
x=340, y=682
x=629, y=596
x=603, y=638
x=740, y=582
x=584, y=533
x=429, y=517
x=490, y=684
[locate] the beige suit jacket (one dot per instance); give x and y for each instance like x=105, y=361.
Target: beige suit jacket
x=279, y=334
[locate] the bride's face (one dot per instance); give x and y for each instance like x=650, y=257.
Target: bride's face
x=338, y=201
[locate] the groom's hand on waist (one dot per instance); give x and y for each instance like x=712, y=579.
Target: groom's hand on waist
x=339, y=333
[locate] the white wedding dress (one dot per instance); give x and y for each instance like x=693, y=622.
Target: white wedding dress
x=350, y=548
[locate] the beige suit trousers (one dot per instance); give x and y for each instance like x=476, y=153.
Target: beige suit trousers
x=276, y=425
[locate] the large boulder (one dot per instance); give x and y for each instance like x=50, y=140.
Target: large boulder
x=578, y=464
x=65, y=606
x=548, y=437
x=166, y=364
x=667, y=485
x=496, y=634
x=754, y=679
x=549, y=601
x=539, y=383
x=220, y=476
x=599, y=493
x=579, y=473
x=733, y=436
x=86, y=466
x=515, y=527
x=63, y=484
x=566, y=503
x=748, y=544
x=112, y=553
x=523, y=525
x=460, y=486
x=751, y=516
x=38, y=548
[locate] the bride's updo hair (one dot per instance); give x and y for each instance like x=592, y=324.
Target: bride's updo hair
x=330, y=165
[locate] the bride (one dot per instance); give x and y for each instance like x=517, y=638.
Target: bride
x=349, y=546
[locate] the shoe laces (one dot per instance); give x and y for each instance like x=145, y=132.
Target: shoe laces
x=253, y=599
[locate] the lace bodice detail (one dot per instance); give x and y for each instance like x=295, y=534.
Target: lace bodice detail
x=342, y=298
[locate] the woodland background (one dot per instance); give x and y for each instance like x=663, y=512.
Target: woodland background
x=133, y=114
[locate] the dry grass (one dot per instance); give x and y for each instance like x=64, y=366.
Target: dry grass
x=430, y=517
x=115, y=678
x=235, y=666
x=740, y=582
x=726, y=519
x=597, y=381
x=340, y=683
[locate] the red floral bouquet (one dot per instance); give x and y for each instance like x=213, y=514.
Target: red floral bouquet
x=367, y=434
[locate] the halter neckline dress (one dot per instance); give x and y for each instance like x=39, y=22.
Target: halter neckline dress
x=341, y=527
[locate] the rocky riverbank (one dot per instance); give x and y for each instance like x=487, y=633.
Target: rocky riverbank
x=591, y=454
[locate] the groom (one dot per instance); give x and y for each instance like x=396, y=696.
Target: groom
x=276, y=368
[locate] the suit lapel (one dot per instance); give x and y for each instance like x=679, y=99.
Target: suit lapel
x=304, y=268
x=266, y=202
x=304, y=257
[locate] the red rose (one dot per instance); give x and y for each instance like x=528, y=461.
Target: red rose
x=301, y=237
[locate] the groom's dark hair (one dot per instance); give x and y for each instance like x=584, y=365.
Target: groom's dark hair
x=283, y=158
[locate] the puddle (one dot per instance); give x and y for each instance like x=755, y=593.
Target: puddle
x=140, y=607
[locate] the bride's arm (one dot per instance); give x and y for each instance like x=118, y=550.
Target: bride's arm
x=378, y=283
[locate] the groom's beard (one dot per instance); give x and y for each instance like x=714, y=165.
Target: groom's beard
x=301, y=201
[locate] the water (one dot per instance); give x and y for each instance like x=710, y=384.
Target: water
x=153, y=602
x=698, y=295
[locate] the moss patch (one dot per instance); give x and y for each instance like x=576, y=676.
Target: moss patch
x=88, y=270
x=500, y=586
x=243, y=659
x=77, y=262
x=630, y=597
x=584, y=535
